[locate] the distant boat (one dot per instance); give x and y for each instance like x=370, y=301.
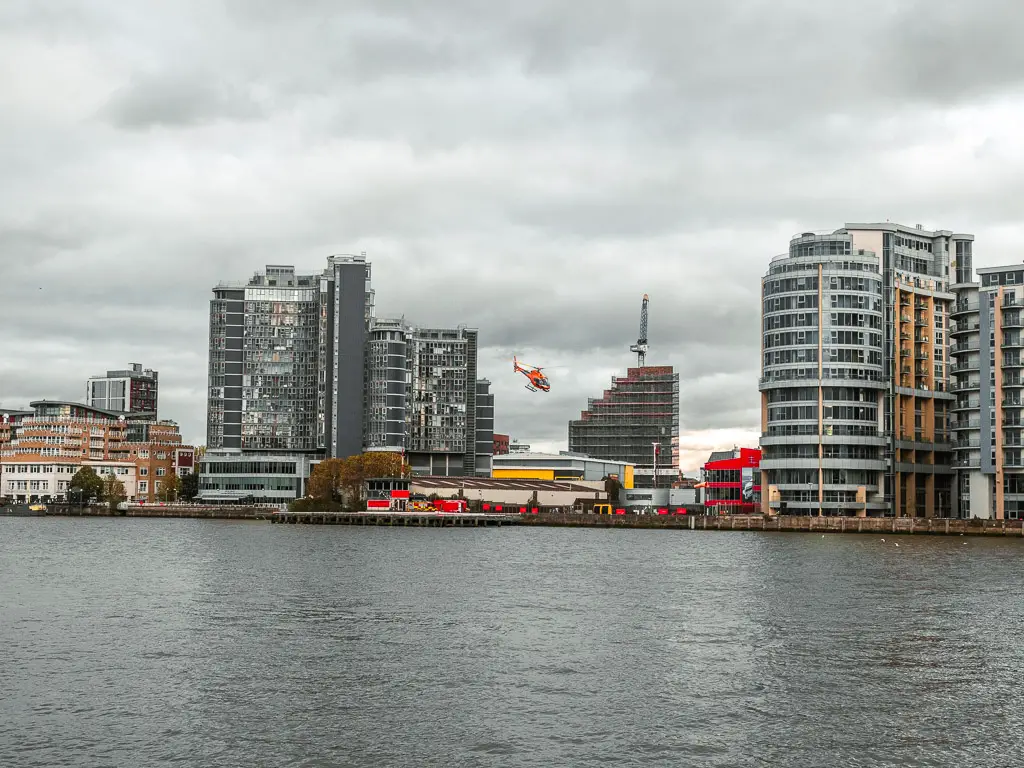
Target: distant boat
x=23, y=510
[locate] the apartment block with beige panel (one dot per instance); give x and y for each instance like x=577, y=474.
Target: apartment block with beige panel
x=856, y=380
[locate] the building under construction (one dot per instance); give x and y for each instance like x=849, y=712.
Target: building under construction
x=636, y=421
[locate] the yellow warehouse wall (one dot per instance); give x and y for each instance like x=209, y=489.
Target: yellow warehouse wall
x=524, y=474
x=627, y=481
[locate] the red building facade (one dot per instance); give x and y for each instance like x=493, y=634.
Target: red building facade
x=732, y=482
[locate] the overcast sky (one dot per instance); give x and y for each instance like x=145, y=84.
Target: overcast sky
x=527, y=168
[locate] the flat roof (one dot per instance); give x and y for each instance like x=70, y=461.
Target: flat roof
x=497, y=484
x=506, y=458
x=993, y=270
x=112, y=414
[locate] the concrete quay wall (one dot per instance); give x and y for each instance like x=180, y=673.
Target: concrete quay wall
x=787, y=523
x=201, y=512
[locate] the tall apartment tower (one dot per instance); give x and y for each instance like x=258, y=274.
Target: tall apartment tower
x=988, y=416
x=346, y=313
x=636, y=421
x=855, y=372
x=264, y=363
x=132, y=390
x=442, y=401
x=286, y=360
x=421, y=396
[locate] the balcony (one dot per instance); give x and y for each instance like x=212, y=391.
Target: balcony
x=965, y=327
x=964, y=307
x=964, y=366
x=964, y=386
x=1013, y=402
x=921, y=322
x=1013, y=362
x=966, y=424
x=1012, y=320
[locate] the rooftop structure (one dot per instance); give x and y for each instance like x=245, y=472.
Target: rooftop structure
x=131, y=390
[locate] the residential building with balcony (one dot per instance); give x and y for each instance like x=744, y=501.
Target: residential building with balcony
x=286, y=374
x=988, y=415
x=42, y=449
x=423, y=398
x=856, y=373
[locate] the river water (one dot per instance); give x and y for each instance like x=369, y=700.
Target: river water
x=197, y=643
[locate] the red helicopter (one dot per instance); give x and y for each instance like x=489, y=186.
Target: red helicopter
x=538, y=381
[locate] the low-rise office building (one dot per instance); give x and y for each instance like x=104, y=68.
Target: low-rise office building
x=732, y=481
x=261, y=478
x=560, y=466
x=515, y=493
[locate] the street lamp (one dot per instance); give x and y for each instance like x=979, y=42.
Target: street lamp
x=655, y=483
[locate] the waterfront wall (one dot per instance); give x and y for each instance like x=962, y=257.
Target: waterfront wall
x=196, y=511
x=787, y=523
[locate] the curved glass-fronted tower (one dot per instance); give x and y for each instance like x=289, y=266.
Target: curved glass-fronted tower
x=822, y=384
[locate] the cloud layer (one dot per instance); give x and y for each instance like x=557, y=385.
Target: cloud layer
x=529, y=170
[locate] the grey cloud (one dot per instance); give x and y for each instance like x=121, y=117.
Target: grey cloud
x=180, y=100
x=529, y=169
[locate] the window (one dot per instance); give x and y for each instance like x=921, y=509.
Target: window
x=143, y=471
x=143, y=485
x=160, y=472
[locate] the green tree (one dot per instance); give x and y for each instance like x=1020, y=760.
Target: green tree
x=85, y=485
x=341, y=480
x=113, y=491
x=189, y=487
x=170, y=488
x=327, y=480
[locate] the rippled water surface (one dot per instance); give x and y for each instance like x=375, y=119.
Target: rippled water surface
x=156, y=642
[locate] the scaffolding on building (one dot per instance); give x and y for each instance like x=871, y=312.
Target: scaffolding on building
x=635, y=421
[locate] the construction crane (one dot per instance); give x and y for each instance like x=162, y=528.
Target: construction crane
x=641, y=344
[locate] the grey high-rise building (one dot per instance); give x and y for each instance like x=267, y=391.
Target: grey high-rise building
x=387, y=374
x=422, y=397
x=346, y=312
x=264, y=363
x=285, y=374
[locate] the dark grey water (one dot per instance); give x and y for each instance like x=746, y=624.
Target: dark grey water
x=155, y=642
